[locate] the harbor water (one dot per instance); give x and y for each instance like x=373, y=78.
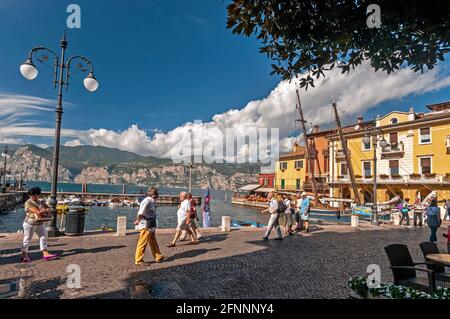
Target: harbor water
x=99, y=217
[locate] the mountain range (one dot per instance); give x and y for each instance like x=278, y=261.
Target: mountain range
x=102, y=165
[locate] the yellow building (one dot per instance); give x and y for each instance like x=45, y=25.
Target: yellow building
x=291, y=171
x=416, y=157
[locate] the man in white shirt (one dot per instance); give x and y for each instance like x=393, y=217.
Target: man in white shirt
x=146, y=224
x=273, y=221
x=184, y=221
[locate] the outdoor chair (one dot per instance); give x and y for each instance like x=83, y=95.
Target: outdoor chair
x=440, y=274
x=404, y=269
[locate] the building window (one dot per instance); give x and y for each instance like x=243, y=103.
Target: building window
x=298, y=184
x=344, y=169
x=425, y=165
x=394, y=120
x=298, y=164
x=367, y=147
x=425, y=135
x=266, y=181
x=283, y=184
x=283, y=166
x=367, y=169
x=394, y=168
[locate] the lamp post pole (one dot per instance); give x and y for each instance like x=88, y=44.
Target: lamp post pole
x=52, y=229
x=372, y=136
x=5, y=156
x=375, y=200
x=62, y=68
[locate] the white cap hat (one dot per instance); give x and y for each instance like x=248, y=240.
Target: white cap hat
x=304, y=194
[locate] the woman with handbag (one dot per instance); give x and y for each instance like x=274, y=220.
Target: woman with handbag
x=36, y=213
x=433, y=219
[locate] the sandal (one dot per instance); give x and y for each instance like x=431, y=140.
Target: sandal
x=50, y=257
x=193, y=243
x=25, y=260
x=171, y=245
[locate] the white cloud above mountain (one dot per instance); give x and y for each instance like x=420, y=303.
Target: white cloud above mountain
x=355, y=93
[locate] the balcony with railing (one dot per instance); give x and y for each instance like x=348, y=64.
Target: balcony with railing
x=397, y=179
x=393, y=151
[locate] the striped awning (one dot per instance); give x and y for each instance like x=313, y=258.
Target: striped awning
x=264, y=190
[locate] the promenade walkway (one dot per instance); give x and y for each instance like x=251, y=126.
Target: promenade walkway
x=226, y=265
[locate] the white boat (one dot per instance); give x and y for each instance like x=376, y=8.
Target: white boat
x=75, y=201
x=115, y=202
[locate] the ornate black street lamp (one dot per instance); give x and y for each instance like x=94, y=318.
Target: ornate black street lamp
x=376, y=137
x=61, y=79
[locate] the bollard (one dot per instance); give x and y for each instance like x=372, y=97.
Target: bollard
x=355, y=221
x=397, y=218
x=24, y=283
x=121, y=226
x=226, y=224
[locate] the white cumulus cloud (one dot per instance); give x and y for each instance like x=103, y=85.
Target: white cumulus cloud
x=355, y=93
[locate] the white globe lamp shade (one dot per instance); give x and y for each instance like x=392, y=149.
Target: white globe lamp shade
x=28, y=70
x=366, y=139
x=91, y=83
x=384, y=143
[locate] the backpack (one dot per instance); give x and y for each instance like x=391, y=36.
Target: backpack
x=281, y=207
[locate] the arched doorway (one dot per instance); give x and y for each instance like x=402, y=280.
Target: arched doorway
x=366, y=196
x=392, y=193
x=424, y=192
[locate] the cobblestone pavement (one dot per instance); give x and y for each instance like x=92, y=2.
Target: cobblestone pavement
x=232, y=265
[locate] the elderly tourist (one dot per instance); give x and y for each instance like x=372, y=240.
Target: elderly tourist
x=447, y=209
x=434, y=219
x=193, y=217
x=305, y=209
x=146, y=224
x=36, y=213
x=274, y=212
x=184, y=221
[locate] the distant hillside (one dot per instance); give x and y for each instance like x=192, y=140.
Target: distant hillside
x=102, y=165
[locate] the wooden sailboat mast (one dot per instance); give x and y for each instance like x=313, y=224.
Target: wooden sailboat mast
x=307, y=153
x=346, y=154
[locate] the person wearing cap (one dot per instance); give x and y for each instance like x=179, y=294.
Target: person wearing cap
x=146, y=224
x=305, y=208
x=35, y=211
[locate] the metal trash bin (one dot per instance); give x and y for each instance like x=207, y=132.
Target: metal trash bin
x=75, y=223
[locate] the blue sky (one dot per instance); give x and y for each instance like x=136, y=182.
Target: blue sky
x=160, y=64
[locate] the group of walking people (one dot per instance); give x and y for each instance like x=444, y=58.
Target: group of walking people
x=431, y=212
x=288, y=212
x=187, y=220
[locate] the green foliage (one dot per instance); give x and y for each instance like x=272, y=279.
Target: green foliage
x=313, y=37
x=390, y=291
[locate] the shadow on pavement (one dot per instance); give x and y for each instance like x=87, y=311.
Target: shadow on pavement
x=87, y=250
x=191, y=254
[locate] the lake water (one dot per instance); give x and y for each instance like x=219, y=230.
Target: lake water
x=97, y=217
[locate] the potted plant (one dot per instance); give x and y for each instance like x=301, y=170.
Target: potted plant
x=415, y=176
x=447, y=177
x=396, y=176
x=384, y=176
x=360, y=290
x=358, y=176
x=430, y=175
